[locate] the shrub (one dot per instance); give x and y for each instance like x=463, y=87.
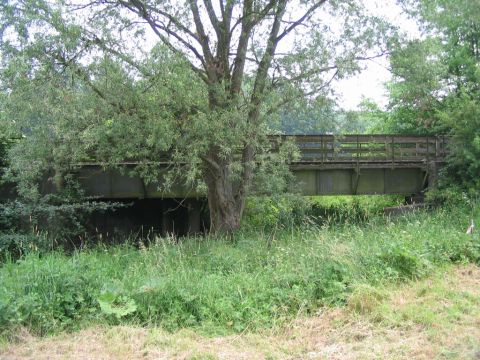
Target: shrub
x=273, y=212
x=62, y=221
x=16, y=245
x=405, y=263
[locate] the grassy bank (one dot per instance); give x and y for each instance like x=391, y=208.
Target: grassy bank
x=223, y=286
x=413, y=320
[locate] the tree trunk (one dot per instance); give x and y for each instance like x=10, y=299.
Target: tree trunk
x=224, y=202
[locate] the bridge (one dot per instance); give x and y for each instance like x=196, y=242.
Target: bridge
x=328, y=165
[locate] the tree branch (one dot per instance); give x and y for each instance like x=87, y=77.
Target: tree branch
x=306, y=74
x=139, y=9
x=300, y=21
x=213, y=18
x=103, y=45
x=82, y=74
x=239, y=62
x=144, y=8
x=248, y=152
x=202, y=36
x=288, y=100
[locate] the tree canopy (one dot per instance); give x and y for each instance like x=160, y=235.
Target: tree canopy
x=435, y=87
x=112, y=80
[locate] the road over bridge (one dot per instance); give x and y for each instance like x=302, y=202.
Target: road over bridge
x=329, y=165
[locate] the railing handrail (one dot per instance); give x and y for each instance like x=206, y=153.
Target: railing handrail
x=366, y=147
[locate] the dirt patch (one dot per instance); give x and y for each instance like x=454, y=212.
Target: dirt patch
x=438, y=317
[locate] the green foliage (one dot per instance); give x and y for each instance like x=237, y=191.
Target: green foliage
x=16, y=245
x=51, y=223
x=6, y=142
x=195, y=99
x=453, y=195
x=417, y=88
x=463, y=117
x=304, y=116
x=364, y=299
x=322, y=116
x=228, y=286
x=274, y=212
x=50, y=295
x=372, y=117
x=401, y=261
x=286, y=211
x=435, y=88
x=116, y=305
x=349, y=209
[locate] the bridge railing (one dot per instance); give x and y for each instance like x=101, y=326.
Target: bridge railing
x=370, y=148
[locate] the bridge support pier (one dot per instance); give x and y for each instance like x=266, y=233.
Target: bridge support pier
x=194, y=217
x=432, y=171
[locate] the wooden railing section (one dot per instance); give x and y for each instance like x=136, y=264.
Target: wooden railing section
x=370, y=148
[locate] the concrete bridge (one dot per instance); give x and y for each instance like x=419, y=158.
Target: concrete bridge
x=329, y=165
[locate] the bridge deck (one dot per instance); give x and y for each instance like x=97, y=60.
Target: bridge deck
x=351, y=164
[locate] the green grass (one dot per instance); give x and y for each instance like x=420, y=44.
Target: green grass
x=222, y=286
x=372, y=203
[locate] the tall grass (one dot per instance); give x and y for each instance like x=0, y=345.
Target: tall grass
x=227, y=285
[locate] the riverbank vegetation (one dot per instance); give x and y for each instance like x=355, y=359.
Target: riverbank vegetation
x=251, y=281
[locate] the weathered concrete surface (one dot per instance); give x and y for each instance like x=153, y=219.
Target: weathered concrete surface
x=113, y=184
x=347, y=164
x=310, y=180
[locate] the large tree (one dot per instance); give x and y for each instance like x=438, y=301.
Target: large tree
x=435, y=87
x=197, y=78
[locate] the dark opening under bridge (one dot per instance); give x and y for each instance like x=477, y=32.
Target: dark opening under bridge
x=348, y=164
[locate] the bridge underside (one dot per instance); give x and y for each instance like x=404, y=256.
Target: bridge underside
x=310, y=180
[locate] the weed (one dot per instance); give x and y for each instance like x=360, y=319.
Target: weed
x=365, y=299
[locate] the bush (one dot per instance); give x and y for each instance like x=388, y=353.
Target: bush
x=350, y=209
x=274, y=212
x=406, y=264
x=268, y=213
x=46, y=294
x=16, y=245
x=365, y=299
x=62, y=221
x=463, y=163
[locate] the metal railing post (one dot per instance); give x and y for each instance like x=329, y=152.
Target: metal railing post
x=358, y=151
x=393, y=151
